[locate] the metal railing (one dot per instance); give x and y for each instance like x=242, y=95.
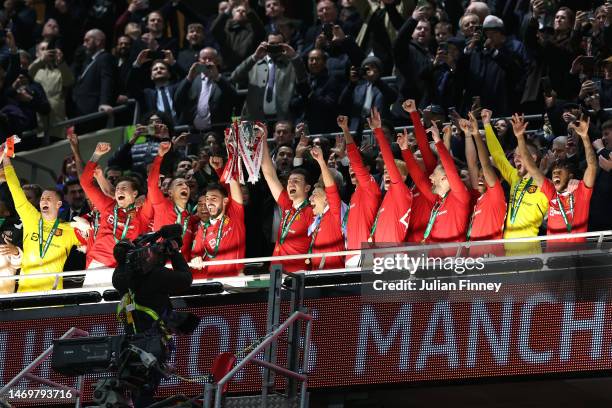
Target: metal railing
x=27, y=371
x=461, y=248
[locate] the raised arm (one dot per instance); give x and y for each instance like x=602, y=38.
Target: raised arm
x=483, y=154
x=456, y=184
x=418, y=176
x=97, y=197
x=470, y=152
x=269, y=172
x=421, y=136
x=361, y=172
x=495, y=148
x=73, y=139
x=24, y=208
x=385, y=148
x=154, y=193
x=519, y=125
x=331, y=189
x=582, y=129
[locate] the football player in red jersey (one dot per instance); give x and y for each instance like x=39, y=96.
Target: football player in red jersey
x=568, y=211
x=489, y=214
x=297, y=215
x=326, y=230
x=451, y=201
x=222, y=236
x=120, y=218
x=174, y=208
x=366, y=198
x=391, y=222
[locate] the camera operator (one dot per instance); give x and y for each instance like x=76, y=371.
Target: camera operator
x=146, y=284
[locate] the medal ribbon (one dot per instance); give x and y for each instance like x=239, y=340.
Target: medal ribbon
x=116, y=221
x=42, y=250
x=434, y=215
x=562, y=210
x=286, y=225
x=217, y=239
x=517, y=203
x=179, y=219
x=374, y=225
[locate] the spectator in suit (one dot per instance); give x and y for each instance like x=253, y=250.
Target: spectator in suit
x=319, y=105
x=74, y=202
x=123, y=64
x=237, y=34
x=365, y=91
x=161, y=96
x=204, y=97
x=94, y=88
x=155, y=26
x=275, y=11
x=273, y=72
x=327, y=14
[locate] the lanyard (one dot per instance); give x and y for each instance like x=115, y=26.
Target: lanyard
x=562, y=211
x=286, y=224
x=125, y=226
x=179, y=219
x=42, y=250
x=517, y=203
x=433, y=216
x=374, y=225
x=2, y=220
x=469, y=231
x=96, y=221
x=217, y=239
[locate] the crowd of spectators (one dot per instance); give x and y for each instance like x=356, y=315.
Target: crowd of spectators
x=297, y=66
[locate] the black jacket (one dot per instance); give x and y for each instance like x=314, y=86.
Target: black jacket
x=154, y=290
x=94, y=84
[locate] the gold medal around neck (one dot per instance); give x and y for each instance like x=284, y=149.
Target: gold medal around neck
x=370, y=239
x=307, y=261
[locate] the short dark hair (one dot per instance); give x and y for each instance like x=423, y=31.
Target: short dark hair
x=276, y=33
x=303, y=172
x=52, y=190
x=132, y=180
x=216, y=187
x=69, y=183
x=607, y=125
x=112, y=168
x=567, y=164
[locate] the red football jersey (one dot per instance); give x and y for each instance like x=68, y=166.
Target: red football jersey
x=421, y=203
x=575, y=205
x=166, y=212
x=328, y=236
x=364, y=202
x=111, y=230
x=214, y=245
x=449, y=215
x=487, y=220
x=391, y=223
x=293, y=232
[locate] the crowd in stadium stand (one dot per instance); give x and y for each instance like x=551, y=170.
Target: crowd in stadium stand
x=309, y=68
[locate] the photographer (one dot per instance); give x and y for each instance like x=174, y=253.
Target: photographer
x=144, y=282
x=366, y=91
x=273, y=72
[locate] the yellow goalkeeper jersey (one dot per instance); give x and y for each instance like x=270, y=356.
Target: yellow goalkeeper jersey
x=58, y=248
x=528, y=204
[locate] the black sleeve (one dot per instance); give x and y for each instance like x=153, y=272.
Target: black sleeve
x=180, y=278
x=122, y=157
x=395, y=17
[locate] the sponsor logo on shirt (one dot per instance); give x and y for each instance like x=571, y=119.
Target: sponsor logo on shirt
x=532, y=189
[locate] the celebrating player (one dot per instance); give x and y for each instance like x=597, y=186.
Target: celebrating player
x=487, y=220
x=391, y=222
x=46, y=240
x=173, y=209
x=297, y=215
x=527, y=203
x=222, y=236
x=366, y=198
x=326, y=231
x=119, y=217
x=568, y=210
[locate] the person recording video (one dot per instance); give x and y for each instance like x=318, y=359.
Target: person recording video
x=146, y=285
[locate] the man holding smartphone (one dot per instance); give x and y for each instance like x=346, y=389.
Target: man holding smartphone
x=204, y=98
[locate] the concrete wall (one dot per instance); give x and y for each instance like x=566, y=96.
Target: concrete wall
x=52, y=157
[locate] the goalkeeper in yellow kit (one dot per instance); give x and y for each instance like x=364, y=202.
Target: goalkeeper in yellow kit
x=46, y=240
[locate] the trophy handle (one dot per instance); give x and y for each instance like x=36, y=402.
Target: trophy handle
x=260, y=127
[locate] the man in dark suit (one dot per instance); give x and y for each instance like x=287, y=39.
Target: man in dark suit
x=161, y=96
x=94, y=91
x=204, y=98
